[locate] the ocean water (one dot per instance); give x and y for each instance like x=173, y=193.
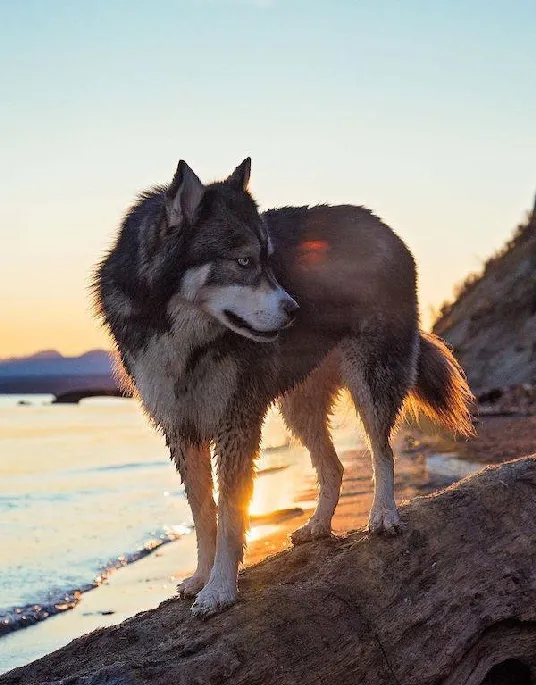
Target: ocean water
x=85, y=489
x=88, y=488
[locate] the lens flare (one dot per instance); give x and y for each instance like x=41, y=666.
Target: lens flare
x=313, y=252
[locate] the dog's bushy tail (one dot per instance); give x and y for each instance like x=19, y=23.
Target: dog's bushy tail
x=441, y=390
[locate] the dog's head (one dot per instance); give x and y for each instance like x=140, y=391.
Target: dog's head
x=226, y=258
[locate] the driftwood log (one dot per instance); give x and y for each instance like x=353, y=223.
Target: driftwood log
x=451, y=600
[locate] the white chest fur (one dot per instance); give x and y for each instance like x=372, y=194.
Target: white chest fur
x=171, y=398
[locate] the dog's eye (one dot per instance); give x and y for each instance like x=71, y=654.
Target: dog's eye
x=244, y=261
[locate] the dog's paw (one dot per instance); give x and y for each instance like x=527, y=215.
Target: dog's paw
x=312, y=530
x=384, y=521
x=212, y=599
x=192, y=585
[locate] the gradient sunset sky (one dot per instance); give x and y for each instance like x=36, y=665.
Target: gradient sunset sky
x=424, y=111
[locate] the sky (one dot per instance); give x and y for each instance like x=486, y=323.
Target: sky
x=423, y=111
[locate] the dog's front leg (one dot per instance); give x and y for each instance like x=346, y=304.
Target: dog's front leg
x=193, y=464
x=236, y=449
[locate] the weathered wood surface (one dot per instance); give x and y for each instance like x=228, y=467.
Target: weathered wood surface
x=443, y=603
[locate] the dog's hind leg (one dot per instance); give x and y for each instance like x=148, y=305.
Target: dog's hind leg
x=306, y=412
x=236, y=448
x=193, y=464
x=379, y=370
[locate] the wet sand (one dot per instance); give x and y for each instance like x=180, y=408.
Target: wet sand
x=355, y=500
x=501, y=438
x=426, y=461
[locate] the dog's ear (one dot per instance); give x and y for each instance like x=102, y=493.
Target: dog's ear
x=240, y=176
x=183, y=197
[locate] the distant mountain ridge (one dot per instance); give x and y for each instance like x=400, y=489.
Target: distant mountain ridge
x=52, y=363
x=44, y=354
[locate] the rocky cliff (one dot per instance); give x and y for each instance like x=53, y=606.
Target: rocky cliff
x=491, y=325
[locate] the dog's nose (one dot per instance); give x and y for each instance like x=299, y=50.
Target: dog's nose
x=289, y=306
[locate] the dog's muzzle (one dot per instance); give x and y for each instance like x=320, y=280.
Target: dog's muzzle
x=289, y=307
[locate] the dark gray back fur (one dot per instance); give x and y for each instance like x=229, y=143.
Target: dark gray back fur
x=350, y=274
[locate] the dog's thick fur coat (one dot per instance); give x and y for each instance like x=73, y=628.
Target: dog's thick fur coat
x=199, y=293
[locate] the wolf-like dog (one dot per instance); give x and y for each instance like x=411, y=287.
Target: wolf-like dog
x=217, y=311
